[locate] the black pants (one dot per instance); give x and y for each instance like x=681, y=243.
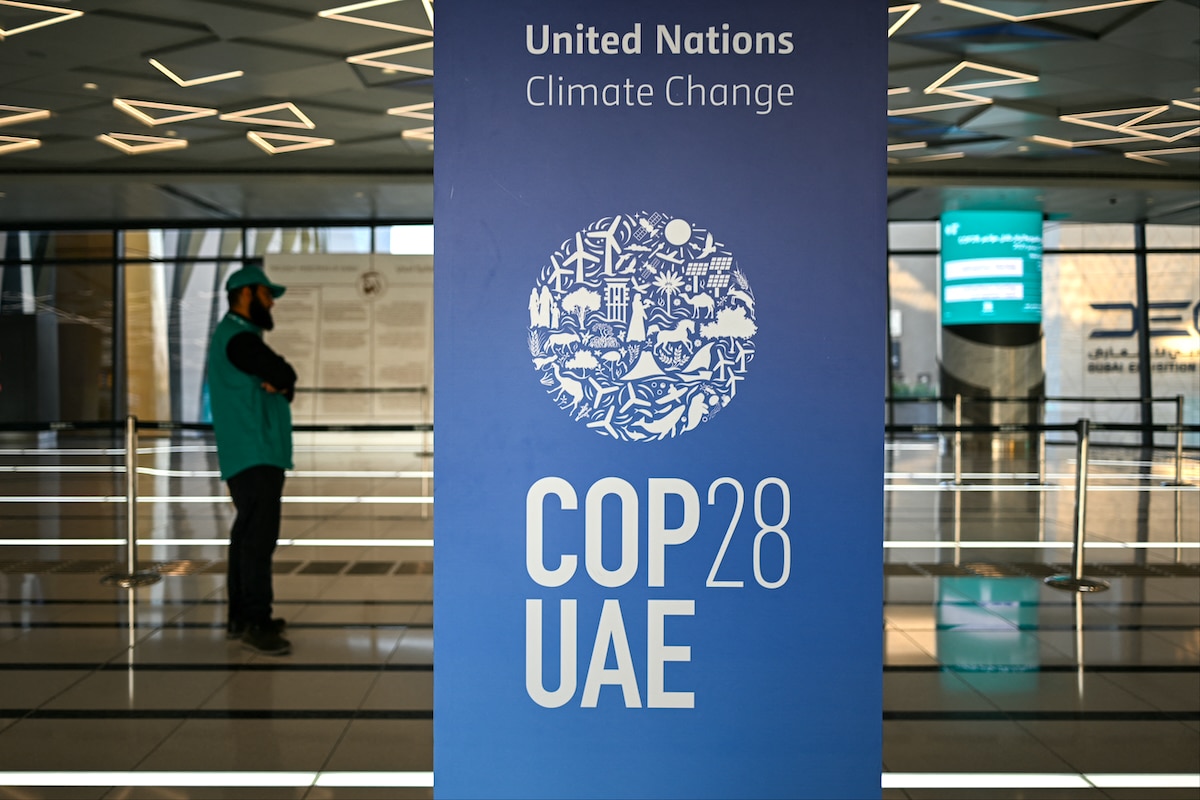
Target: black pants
x=257, y=494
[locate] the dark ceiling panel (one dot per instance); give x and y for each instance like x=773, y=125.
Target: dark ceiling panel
x=1084, y=63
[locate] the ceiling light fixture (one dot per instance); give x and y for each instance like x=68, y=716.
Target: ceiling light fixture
x=341, y=13
x=64, y=14
x=419, y=134
x=224, y=76
x=1137, y=122
x=1010, y=77
x=248, y=116
x=416, y=111
x=372, y=59
x=21, y=114
x=1062, y=12
x=935, y=157
x=1145, y=155
x=134, y=109
x=898, y=90
x=1187, y=104
x=11, y=144
x=892, y=148
x=1089, y=143
x=964, y=99
x=906, y=11
x=135, y=144
x=266, y=141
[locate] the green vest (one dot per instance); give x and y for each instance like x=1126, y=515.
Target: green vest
x=253, y=426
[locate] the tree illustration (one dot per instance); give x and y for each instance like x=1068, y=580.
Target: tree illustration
x=583, y=360
x=731, y=323
x=581, y=301
x=668, y=284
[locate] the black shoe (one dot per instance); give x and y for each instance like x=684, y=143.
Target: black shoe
x=265, y=639
x=235, y=628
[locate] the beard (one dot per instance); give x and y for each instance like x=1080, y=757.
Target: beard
x=260, y=315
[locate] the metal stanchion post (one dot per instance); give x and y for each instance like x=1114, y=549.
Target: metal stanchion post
x=131, y=578
x=426, y=449
x=957, y=443
x=1178, y=443
x=1076, y=582
x=958, y=440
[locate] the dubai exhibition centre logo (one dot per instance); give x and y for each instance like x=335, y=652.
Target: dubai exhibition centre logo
x=641, y=326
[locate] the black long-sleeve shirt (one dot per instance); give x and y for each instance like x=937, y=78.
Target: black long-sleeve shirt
x=251, y=355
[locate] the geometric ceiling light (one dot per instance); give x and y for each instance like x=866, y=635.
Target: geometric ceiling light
x=341, y=13
x=1137, y=122
x=996, y=76
x=134, y=109
x=224, y=76
x=248, y=116
x=416, y=111
x=134, y=144
x=268, y=141
x=375, y=59
x=21, y=115
x=11, y=144
x=419, y=134
x=1009, y=77
x=1074, y=8
x=64, y=14
x=920, y=159
x=1145, y=155
x=1090, y=143
x=906, y=12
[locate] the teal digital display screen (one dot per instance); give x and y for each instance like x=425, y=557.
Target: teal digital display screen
x=991, y=267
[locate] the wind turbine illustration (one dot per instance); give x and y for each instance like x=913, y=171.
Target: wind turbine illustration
x=611, y=245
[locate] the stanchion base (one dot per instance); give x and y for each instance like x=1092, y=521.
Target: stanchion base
x=131, y=581
x=1068, y=583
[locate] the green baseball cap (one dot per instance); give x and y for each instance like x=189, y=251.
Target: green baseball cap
x=253, y=275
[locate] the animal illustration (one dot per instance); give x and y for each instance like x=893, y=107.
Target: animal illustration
x=680, y=333
x=703, y=300
x=663, y=426
x=745, y=298
x=542, y=363
x=562, y=340
x=568, y=385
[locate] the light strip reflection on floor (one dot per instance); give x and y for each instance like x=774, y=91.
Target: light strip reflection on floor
x=980, y=780
x=166, y=500
x=949, y=487
x=931, y=545
x=940, y=545
x=415, y=779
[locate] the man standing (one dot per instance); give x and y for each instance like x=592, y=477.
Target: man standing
x=250, y=388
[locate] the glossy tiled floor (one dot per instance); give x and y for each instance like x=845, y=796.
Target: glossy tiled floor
x=988, y=672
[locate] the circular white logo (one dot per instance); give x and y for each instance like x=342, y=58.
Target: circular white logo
x=641, y=326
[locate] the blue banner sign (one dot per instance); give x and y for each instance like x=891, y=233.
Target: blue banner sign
x=659, y=296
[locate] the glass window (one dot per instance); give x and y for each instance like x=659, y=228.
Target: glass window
x=1087, y=236
x=1170, y=237
x=1173, y=283
x=912, y=236
x=346, y=240
x=405, y=240
x=913, y=326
